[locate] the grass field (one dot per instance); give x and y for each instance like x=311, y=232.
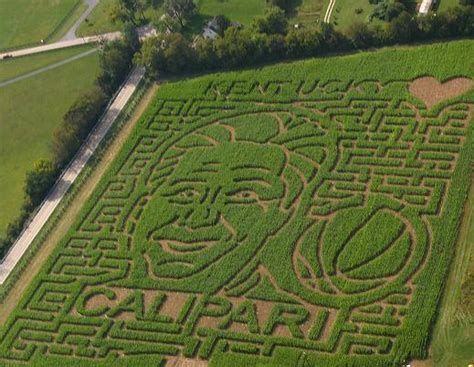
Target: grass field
x=24, y=22
x=345, y=14
x=243, y=11
x=453, y=339
x=308, y=11
x=98, y=21
x=30, y=110
x=240, y=222
x=446, y=4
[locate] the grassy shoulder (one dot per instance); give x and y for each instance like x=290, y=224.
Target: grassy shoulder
x=31, y=109
x=453, y=339
x=26, y=22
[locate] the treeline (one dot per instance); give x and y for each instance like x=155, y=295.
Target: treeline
x=270, y=38
x=115, y=63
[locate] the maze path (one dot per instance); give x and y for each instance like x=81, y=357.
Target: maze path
x=242, y=223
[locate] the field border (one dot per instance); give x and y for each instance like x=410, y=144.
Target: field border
x=74, y=189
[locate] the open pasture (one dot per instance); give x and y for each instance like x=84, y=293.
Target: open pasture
x=299, y=212
x=26, y=22
x=30, y=110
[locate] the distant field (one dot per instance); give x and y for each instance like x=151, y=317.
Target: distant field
x=30, y=110
x=26, y=21
x=240, y=223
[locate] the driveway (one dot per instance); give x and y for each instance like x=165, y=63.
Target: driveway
x=71, y=33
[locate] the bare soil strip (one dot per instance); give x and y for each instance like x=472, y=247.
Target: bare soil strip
x=431, y=91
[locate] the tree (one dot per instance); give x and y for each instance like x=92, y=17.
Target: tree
x=168, y=24
x=360, y=34
x=302, y=42
x=181, y=10
x=178, y=53
x=39, y=180
x=387, y=10
x=274, y=21
x=153, y=3
x=166, y=53
x=222, y=23
x=403, y=28
x=77, y=123
x=126, y=11
x=115, y=61
x=206, y=55
x=236, y=48
x=282, y=4
x=131, y=38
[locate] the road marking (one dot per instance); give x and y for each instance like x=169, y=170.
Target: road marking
x=327, y=16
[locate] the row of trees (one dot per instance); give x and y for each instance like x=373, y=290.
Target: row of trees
x=270, y=38
x=115, y=61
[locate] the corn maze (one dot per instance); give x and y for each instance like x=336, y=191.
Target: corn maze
x=257, y=217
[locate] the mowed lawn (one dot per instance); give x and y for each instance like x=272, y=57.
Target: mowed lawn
x=347, y=12
x=308, y=12
x=243, y=11
x=446, y=4
x=24, y=22
x=30, y=110
x=99, y=20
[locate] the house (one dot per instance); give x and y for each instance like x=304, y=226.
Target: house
x=212, y=29
x=217, y=25
x=426, y=6
x=209, y=33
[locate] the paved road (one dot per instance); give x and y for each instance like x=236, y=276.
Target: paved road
x=63, y=44
x=327, y=16
x=70, y=175
x=71, y=33
x=47, y=68
x=143, y=32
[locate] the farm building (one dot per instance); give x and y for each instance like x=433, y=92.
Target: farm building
x=217, y=26
x=426, y=6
